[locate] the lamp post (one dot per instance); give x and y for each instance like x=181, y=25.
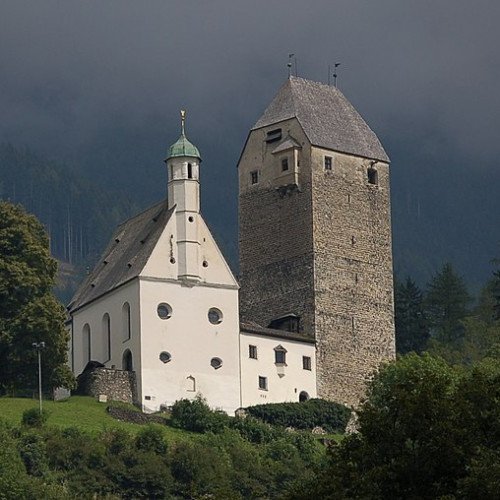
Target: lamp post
x=39, y=346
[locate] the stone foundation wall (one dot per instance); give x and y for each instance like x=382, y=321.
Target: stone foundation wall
x=117, y=385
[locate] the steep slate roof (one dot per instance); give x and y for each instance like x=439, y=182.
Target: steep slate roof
x=126, y=254
x=329, y=120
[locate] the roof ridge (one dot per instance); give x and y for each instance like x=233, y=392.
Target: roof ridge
x=131, y=218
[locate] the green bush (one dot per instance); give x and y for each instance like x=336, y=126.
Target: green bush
x=255, y=431
x=151, y=439
x=33, y=417
x=196, y=416
x=332, y=417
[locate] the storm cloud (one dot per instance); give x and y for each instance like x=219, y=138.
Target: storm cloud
x=99, y=85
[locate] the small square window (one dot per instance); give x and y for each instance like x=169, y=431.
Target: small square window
x=306, y=363
x=284, y=164
x=252, y=351
x=328, y=163
x=254, y=177
x=263, y=383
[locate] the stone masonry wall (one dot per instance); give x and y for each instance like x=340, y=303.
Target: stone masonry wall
x=276, y=257
x=275, y=224
x=324, y=252
x=117, y=385
x=354, y=312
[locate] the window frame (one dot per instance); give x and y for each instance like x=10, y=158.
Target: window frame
x=264, y=386
x=328, y=163
x=252, y=349
x=307, y=363
x=280, y=351
x=254, y=177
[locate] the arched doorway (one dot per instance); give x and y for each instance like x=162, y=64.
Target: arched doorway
x=303, y=396
x=127, y=361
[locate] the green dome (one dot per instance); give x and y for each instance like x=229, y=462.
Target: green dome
x=182, y=147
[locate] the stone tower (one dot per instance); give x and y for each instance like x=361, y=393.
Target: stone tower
x=315, y=233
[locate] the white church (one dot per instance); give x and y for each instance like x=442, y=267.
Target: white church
x=163, y=302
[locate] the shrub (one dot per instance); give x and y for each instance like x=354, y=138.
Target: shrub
x=255, y=431
x=151, y=439
x=332, y=417
x=33, y=417
x=196, y=416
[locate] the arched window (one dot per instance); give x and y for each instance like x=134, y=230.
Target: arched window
x=190, y=171
x=303, y=396
x=190, y=384
x=87, y=344
x=127, y=364
x=127, y=332
x=106, y=338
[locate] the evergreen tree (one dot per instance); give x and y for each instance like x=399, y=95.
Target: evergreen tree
x=496, y=291
x=446, y=300
x=29, y=311
x=412, y=329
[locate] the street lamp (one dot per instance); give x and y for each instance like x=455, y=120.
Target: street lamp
x=39, y=346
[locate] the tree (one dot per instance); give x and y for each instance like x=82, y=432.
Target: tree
x=407, y=441
x=29, y=312
x=447, y=299
x=412, y=329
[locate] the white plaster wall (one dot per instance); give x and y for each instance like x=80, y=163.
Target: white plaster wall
x=93, y=313
x=192, y=342
x=280, y=389
x=217, y=270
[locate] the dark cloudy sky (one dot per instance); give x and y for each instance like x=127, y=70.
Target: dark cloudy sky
x=98, y=84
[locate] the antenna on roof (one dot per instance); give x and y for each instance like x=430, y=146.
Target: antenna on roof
x=289, y=65
x=336, y=65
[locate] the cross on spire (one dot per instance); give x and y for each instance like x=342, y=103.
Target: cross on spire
x=183, y=121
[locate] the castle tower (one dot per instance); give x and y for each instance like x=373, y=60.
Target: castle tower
x=315, y=233
x=183, y=162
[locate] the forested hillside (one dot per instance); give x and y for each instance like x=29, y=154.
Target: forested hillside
x=77, y=213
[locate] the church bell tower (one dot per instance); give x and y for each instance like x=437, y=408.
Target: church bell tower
x=183, y=166
x=315, y=233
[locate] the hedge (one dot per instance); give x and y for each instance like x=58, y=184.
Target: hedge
x=332, y=417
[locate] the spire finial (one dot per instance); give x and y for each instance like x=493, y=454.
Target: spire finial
x=183, y=121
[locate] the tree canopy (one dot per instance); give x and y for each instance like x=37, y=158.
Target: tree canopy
x=412, y=327
x=426, y=430
x=447, y=301
x=29, y=312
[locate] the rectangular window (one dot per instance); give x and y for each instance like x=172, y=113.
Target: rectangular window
x=254, y=177
x=273, y=135
x=284, y=164
x=252, y=351
x=280, y=357
x=306, y=362
x=263, y=383
x=328, y=162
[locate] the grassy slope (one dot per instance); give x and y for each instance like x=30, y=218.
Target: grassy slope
x=83, y=412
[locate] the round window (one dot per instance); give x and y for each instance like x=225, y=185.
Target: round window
x=165, y=357
x=164, y=311
x=214, y=316
x=216, y=363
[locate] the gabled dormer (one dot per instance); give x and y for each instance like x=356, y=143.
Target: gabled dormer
x=287, y=161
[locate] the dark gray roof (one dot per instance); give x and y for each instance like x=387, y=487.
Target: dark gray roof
x=329, y=120
x=126, y=255
x=250, y=327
